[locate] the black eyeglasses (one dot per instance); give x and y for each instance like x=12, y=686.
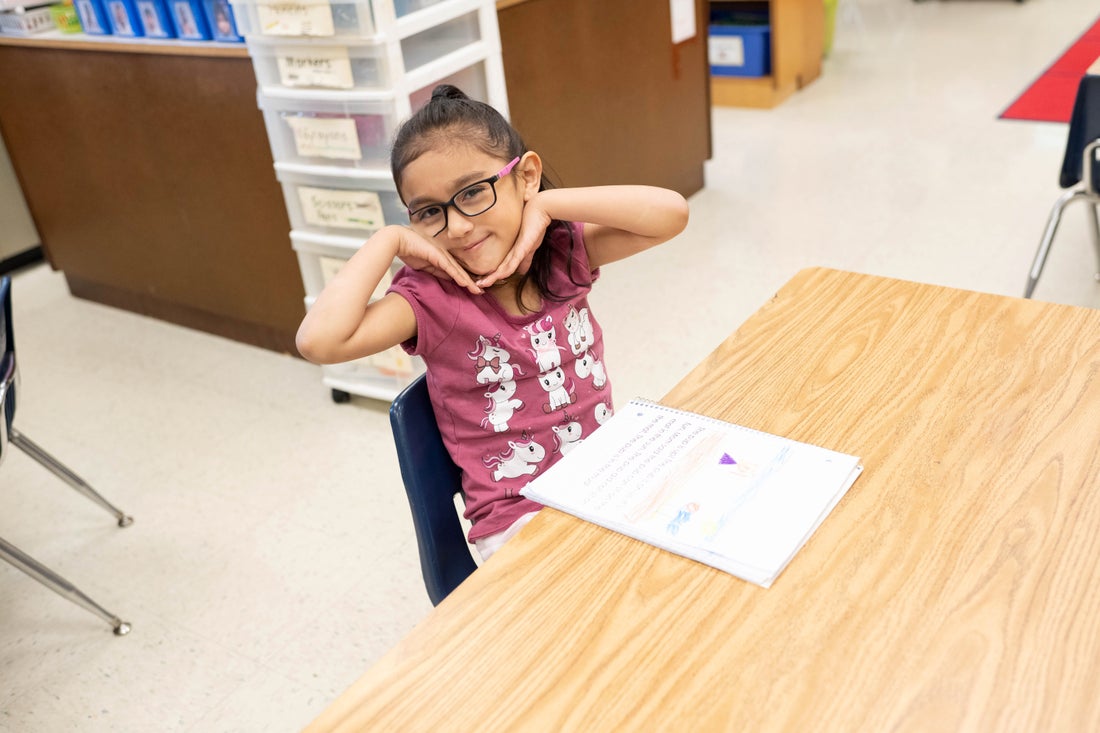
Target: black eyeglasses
x=475, y=199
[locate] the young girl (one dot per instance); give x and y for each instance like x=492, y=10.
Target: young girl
x=494, y=297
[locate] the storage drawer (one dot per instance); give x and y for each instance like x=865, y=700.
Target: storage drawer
x=356, y=204
x=355, y=65
x=343, y=19
x=328, y=128
x=321, y=256
x=439, y=40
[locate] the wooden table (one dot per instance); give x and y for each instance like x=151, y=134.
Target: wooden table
x=955, y=587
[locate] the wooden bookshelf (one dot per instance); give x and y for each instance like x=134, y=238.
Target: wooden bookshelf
x=797, y=45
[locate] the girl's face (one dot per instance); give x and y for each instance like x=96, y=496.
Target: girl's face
x=479, y=243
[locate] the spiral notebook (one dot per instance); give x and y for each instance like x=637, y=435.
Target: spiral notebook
x=737, y=499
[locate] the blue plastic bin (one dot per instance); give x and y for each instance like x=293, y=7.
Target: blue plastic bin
x=124, y=19
x=155, y=19
x=740, y=50
x=189, y=20
x=220, y=20
x=93, y=17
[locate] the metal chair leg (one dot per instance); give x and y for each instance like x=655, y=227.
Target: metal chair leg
x=1095, y=231
x=33, y=450
x=59, y=585
x=1048, y=237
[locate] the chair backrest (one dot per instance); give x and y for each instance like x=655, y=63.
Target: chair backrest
x=7, y=340
x=1084, y=127
x=7, y=366
x=431, y=481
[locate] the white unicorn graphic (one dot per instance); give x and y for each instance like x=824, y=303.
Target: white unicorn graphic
x=519, y=460
x=544, y=344
x=567, y=435
x=589, y=365
x=492, y=362
x=501, y=406
x=581, y=335
x=553, y=382
x=603, y=412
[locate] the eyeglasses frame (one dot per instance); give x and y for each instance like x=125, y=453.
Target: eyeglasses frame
x=491, y=180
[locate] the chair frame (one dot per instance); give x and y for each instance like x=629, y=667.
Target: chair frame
x=9, y=382
x=1085, y=191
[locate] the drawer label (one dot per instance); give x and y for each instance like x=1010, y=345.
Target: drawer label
x=329, y=266
x=325, y=137
x=726, y=50
x=321, y=67
x=326, y=207
x=295, y=17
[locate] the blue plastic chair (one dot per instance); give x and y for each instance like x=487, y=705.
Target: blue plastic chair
x=431, y=481
x=9, y=382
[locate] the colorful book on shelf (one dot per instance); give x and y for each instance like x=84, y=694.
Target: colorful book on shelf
x=737, y=499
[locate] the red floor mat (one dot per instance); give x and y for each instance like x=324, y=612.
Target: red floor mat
x=1050, y=97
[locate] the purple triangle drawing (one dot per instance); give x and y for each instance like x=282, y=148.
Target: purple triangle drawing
x=727, y=460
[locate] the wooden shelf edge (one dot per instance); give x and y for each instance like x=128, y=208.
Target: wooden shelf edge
x=117, y=44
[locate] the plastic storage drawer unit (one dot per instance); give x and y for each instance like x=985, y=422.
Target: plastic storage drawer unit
x=739, y=50
x=354, y=204
x=314, y=63
x=340, y=18
x=328, y=128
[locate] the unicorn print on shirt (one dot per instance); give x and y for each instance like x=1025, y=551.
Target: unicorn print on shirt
x=492, y=361
x=567, y=435
x=588, y=365
x=501, y=406
x=581, y=338
x=581, y=335
x=553, y=382
x=544, y=344
x=520, y=459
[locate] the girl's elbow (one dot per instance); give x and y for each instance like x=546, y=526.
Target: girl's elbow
x=310, y=347
x=681, y=214
x=676, y=216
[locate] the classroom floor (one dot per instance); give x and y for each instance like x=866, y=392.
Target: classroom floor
x=272, y=559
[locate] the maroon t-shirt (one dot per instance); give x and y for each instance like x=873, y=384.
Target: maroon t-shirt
x=511, y=394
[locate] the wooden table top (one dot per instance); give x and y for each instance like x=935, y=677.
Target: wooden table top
x=955, y=587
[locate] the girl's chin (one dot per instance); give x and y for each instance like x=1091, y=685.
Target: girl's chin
x=479, y=270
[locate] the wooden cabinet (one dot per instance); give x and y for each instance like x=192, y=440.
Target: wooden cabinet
x=599, y=89
x=797, y=45
x=147, y=172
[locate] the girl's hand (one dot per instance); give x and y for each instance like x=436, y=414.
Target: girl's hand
x=532, y=229
x=420, y=254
